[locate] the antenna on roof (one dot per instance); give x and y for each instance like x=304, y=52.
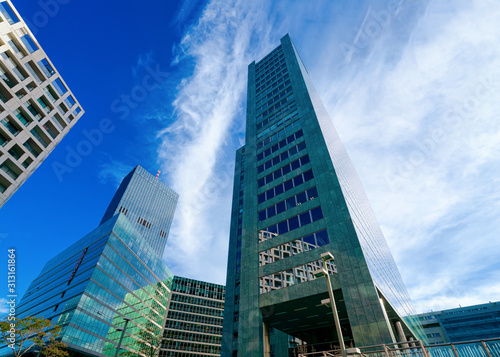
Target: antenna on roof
x=158, y=173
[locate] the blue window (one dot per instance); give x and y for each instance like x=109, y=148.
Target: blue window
x=301, y=198
x=8, y=13
x=280, y=207
x=308, y=175
x=298, y=180
x=293, y=223
x=262, y=197
x=305, y=218
x=316, y=214
x=322, y=238
x=288, y=185
x=312, y=193
x=47, y=69
x=29, y=43
x=271, y=211
x=278, y=190
x=283, y=227
x=309, y=239
x=262, y=215
x=59, y=86
x=272, y=229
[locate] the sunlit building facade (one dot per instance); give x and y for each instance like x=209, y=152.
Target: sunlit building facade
x=149, y=205
x=92, y=287
x=112, y=282
x=468, y=323
x=296, y=195
x=193, y=326
x=37, y=109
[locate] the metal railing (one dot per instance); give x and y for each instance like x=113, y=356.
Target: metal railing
x=480, y=348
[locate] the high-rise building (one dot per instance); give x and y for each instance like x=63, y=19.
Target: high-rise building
x=36, y=107
x=297, y=195
x=92, y=287
x=112, y=278
x=149, y=205
x=194, y=319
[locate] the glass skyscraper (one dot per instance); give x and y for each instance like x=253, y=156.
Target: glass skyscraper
x=91, y=287
x=149, y=205
x=297, y=195
x=112, y=275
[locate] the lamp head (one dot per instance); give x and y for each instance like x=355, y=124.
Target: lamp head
x=320, y=273
x=327, y=256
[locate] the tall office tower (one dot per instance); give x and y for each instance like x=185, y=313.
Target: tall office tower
x=36, y=107
x=149, y=205
x=194, y=319
x=108, y=277
x=92, y=287
x=296, y=195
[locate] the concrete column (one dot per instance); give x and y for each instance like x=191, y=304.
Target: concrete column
x=267, y=339
x=401, y=333
x=387, y=321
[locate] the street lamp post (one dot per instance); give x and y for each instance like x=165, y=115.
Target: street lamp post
x=121, y=337
x=326, y=257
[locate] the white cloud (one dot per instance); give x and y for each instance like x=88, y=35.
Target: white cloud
x=4, y=308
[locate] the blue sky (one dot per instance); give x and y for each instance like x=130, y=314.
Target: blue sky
x=411, y=87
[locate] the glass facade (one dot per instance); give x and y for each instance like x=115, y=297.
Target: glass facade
x=296, y=195
x=149, y=205
x=94, y=285
x=470, y=323
x=193, y=325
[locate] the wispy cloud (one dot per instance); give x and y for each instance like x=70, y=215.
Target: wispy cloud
x=113, y=171
x=144, y=60
x=198, y=148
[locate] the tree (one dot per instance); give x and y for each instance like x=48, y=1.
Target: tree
x=151, y=341
x=23, y=335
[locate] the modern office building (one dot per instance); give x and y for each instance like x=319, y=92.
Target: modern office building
x=297, y=195
x=36, y=107
x=194, y=319
x=149, y=205
x=92, y=287
x=109, y=280
x=470, y=323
